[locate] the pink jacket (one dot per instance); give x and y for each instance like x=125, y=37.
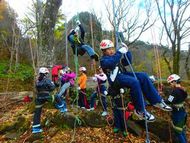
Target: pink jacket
x=69, y=77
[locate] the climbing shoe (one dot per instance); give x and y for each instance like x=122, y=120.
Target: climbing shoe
x=145, y=115
x=104, y=113
x=162, y=105
x=63, y=110
x=125, y=133
x=36, y=130
x=115, y=130
x=91, y=109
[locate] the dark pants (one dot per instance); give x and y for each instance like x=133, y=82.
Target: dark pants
x=179, y=118
x=119, y=120
x=82, y=101
x=139, y=87
x=103, y=97
x=39, y=101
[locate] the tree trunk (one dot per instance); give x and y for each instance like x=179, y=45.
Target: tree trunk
x=187, y=70
x=46, y=53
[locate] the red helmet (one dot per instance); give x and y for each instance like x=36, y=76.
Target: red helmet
x=173, y=77
x=105, y=44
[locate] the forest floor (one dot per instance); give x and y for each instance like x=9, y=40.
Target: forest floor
x=11, y=110
x=54, y=134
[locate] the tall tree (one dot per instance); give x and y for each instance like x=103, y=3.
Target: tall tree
x=47, y=25
x=187, y=66
x=175, y=18
x=127, y=18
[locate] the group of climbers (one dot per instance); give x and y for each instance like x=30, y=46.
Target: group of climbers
x=112, y=68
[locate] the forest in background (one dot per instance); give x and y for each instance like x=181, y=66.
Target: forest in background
x=20, y=43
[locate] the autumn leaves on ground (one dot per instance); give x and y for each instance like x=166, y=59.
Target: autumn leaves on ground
x=16, y=117
x=19, y=111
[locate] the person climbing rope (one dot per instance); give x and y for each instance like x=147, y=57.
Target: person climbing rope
x=101, y=89
x=78, y=42
x=67, y=80
x=113, y=64
x=82, y=101
x=43, y=86
x=177, y=99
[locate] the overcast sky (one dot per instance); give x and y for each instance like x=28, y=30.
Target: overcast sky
x=72, y=7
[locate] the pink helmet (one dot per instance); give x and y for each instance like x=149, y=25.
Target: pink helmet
x=105, y=44
x=173, y=77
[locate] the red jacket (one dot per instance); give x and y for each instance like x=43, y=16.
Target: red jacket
x=55, y=70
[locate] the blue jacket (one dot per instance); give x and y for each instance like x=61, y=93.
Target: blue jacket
x=108, y=63
x=44, y=86
x=75, y=40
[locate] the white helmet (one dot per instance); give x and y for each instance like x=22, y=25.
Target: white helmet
x=173, y=77
x=43, y=70
x=105, y=44
x=82, y=69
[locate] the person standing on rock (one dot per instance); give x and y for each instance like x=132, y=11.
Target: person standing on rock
x=43, y=86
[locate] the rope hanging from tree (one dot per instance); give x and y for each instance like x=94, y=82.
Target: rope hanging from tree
x=157, y=60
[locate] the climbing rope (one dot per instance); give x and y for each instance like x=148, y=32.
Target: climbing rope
x=77, y=122
x=157, y=60
x=77, y=93
x=116, y=34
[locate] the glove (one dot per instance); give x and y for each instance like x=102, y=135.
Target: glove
x=123, y=50
x=105, y=92
x=122, y=90
x=77, y=29
x=94, y=78
x=78, y=22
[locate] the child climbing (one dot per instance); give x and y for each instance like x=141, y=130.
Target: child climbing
x=113, y=64
x=78, y=42
x=101, y=89
x=67, y=80
x=176, y=100
x=82, y=101
x=43, y=86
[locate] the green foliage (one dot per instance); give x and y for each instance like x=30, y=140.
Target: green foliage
x=23, y=72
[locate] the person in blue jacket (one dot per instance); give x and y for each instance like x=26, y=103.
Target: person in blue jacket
x=176, y=100
x=78, y=42
x=113, y=64
x=43, y=86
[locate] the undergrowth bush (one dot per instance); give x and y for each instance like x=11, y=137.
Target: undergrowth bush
x=21, y=72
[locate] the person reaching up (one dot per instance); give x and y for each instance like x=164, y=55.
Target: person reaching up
x=113, y=64
x=77, y=42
